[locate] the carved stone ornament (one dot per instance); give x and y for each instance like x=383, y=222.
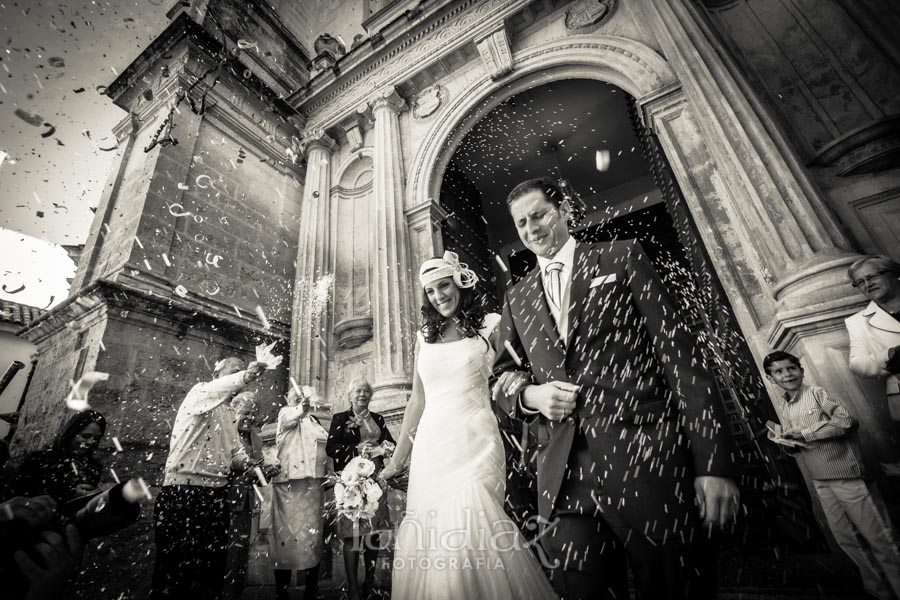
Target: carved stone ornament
x=585, y=16
x=428, y=101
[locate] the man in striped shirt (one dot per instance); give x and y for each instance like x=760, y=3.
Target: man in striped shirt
x=830, y=459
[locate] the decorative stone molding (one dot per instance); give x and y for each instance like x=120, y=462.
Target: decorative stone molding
x=431, y=210
x=471, y=20
x=870, y=148
x=351, y=333
x=626, y=63
x=496, y=53
x=585, y=16
x=388, y=98
x=353, y=128
x=428, y=101
x=317, y=138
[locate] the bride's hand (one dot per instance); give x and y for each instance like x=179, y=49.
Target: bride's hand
x=511, y=382
x=388, y=472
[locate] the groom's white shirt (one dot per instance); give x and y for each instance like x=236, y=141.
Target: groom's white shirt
x=566, y=256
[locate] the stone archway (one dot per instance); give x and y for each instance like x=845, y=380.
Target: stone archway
x=630, y=65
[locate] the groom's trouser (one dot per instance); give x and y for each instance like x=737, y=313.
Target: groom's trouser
x=592, y=549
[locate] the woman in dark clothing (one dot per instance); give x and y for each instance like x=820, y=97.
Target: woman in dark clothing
x=355, y=432
x=66, y=471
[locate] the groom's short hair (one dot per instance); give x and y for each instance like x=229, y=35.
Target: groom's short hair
x=545, y=184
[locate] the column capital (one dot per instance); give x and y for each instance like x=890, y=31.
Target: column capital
x=389, y=98
x=428, y=210
x=317, y=138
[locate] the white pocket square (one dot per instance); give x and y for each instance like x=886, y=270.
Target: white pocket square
x=603, y=279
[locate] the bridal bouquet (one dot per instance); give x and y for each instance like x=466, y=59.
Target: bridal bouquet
x=356, y=493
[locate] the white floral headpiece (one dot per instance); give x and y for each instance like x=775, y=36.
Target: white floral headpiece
x=448, y=266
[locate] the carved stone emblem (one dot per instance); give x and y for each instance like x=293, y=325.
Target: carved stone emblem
x=428, y=101
x=585, y=16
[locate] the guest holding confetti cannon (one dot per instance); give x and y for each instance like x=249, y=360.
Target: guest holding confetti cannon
x=66, y=471
x=191, y=512
x=356, y=432
x=242, y=496
x=295, y=541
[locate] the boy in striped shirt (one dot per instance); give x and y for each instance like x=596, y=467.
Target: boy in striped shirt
x=829, y=458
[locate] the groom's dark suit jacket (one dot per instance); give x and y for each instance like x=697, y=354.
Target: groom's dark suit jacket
x=647, y=405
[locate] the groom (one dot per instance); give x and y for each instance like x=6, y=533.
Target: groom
x=630, y=433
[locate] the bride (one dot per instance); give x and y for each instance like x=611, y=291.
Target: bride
x=456, y=541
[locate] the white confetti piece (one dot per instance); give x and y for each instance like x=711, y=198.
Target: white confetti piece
x=115, y=477
x=77, y=399
x=144, y=488
x=258, y=495
x=512, y=352
x=181, y=291
x=602, y=160
x=501, y=263
x=166, y=260
x=116, y=443
x=264, y=355
x=262, y=317
x=260, y=476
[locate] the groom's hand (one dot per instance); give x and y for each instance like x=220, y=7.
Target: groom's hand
x=718, y=498
x=555, y=399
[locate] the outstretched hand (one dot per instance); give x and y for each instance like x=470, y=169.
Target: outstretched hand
x=718, y=499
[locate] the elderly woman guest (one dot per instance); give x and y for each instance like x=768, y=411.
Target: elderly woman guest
x=295, y=541
x=353, y=432
x=875, y=330
x=66, y=471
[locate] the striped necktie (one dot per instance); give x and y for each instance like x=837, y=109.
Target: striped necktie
x=554, y=278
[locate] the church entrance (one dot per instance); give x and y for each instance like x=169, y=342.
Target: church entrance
x=587, y=134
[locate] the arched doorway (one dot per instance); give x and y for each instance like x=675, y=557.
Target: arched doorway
x=489, y=141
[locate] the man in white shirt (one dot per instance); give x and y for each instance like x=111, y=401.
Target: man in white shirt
x=191, y=512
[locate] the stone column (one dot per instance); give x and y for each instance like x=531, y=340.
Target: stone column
x=799, y=247
x=313, y=283
x=393, y=286
x=775, y=244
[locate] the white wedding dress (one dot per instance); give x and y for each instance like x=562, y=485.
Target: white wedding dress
x=456, y=541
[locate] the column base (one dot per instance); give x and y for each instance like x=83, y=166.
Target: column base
x=820, y=278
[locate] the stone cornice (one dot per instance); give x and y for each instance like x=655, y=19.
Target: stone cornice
x=181, y=27
x=192, y=314
x=463, y=23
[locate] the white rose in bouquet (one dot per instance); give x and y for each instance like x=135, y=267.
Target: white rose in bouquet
x=352, y=498
x=370, y=509
x=357, y=469
x=339, y=491
x=373, y=491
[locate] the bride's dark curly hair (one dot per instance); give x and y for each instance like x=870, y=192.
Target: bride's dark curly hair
x=470, y=314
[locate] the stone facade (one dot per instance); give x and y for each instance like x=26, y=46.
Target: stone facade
x=784, y=153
